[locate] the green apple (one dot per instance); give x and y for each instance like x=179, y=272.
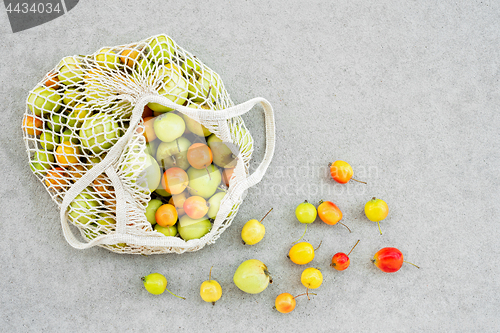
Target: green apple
x=150, y=176
x=151, y=209
x=49, y=140
x=201, y=84
x=56, y=122
x=69, y=136
x=99, y=132
x=143, y=69
x=252, y=276
x=193, y=228
x=152, y=146
x=44, y=99
x=167, y=231
x=77, y=116
x=222, y=155
x=161, y=191
x=105, y=220
x=174, y=87
x=106, y=58
x=72, y=97
x=243, y=136
x=214, y=204
x=83, y=208
x=194, y=126
x=174, y=153
x=161, y=49
x=42, y=161
x=169, y=127
x=204, y=182
x=94, y=91
x=70, y=71
x=190, y=65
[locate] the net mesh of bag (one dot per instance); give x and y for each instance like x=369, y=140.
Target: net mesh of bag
x=93, y=146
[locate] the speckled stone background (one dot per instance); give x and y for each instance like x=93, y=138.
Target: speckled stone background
x=405, y=91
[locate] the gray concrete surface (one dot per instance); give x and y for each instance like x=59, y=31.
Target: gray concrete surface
x=406, y=91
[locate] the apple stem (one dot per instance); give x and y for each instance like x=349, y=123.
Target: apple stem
x=353, y=247
x=209, y=90
x=305, y=294
x=266, y=215
x=318, y=246
x=359, y=181
x=301, y=236
x=190, y=188
x=175, y=294
x=178, y=148
x=213, y=303
x=411, y=263
x=210, y=273
x=380, y=230
x=345, y=226
x=209, y=176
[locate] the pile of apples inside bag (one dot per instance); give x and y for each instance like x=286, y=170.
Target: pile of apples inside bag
x=175, y=170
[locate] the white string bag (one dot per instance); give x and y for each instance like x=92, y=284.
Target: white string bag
x=84, y=137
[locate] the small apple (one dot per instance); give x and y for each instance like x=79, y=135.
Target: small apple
x=143, y=69
x=214, y=204
x=189, y=228
x=161, y=49
x=99, y=132
x=42, y=161
x=173, y=86
x=252, y=276
x=70, y=136
x=84, y=207
x=174, y=153
x=253, y=231
x=49, y=140
x=152, y=146
x=204, y=86
x=194, y=126
x=106, y=58
x=70, y=71
x=71, y=97
x=56, y=122
x=95, y=92
x=169, y=127
x=191, y=64
x=43, y=100
x=204, y=182
x=151, y=209
x=210, y=290
x=389, y=260
x=167, y=231
x=222, y=155
x=150, y=176
x=77, y=116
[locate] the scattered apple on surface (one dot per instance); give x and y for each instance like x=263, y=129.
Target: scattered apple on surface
x=252, y=276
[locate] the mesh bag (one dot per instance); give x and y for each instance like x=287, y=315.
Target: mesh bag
x=109, y=132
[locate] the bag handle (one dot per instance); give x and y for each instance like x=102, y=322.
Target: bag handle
x=115, y=152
